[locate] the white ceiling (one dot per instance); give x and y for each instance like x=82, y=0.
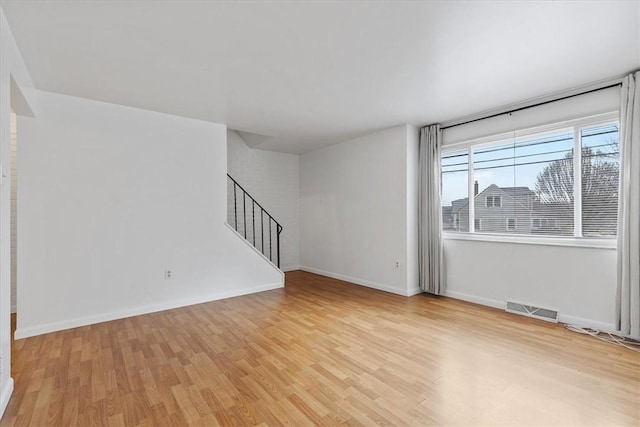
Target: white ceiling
x=309, y=74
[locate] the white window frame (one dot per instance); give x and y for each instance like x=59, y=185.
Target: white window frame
x=515, y=224
x=493, y=201
x=576, y=126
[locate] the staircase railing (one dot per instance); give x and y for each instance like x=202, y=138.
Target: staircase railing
x=252, y=221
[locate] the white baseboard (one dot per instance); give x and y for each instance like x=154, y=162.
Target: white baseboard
x=414, y=291
x=579, y=321
x=475, y=299
x=356, y=281
x=291, y=268
x=106, y=317
x=562, y=318
x=5, y=395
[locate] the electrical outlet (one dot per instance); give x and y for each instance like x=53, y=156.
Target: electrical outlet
x=168, y=274
x=397, y=264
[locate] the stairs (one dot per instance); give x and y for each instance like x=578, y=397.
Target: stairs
x=253, y=222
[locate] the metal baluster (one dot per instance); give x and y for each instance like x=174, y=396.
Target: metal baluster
x=244, y=212
x=235, y=208
x=253, y=220
x=262, y=228
x=278, y=238
x=270, y=249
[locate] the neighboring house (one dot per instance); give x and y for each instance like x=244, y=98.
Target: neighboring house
x=447, y=218
x=508, y=210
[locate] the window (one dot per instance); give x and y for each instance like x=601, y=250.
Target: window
x=493, y=201
x=455, y=177
x=557, y=180
x=599, y=181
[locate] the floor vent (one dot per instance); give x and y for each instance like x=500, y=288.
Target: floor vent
x=531, y=311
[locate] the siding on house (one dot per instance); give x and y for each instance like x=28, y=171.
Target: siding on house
x=516, y=204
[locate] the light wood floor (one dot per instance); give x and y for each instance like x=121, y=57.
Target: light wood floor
x=323, y=352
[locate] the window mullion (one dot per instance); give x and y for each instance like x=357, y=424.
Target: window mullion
x=472, y=197
x=577, y=182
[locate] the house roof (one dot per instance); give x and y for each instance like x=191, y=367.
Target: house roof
x=513, y=192
x=518, y=191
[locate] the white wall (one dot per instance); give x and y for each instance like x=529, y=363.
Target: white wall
x=17, y=93
x=272, y=179
x=413, y=164
x=578, y=282
x=354, y=210
x=638, y=30
x=109, y=197
x=602, y=101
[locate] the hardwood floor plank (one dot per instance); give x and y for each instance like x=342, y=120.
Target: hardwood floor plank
x=323, y=352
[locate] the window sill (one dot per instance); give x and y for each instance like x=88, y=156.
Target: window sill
x=534, y=240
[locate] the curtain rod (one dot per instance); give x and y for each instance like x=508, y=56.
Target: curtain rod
x=532, y=105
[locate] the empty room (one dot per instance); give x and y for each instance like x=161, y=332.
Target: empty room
x=398, y=213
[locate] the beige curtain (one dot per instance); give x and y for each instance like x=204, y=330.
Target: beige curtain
x=628, y=289
x=430, y=250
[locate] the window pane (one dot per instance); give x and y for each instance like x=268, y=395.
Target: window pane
x=455, y=190
x=551, y=173
x=528, y=181
x=600, y=181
